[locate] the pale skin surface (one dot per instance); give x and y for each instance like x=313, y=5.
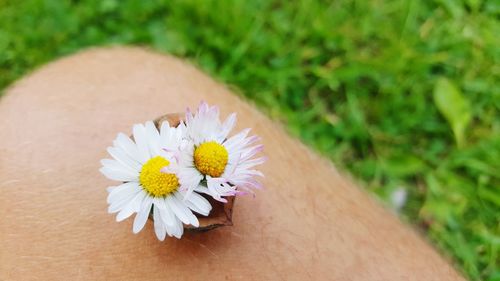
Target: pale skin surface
x=310, y=223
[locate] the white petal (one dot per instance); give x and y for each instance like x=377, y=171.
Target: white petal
x=180, y=229
x=174, y=230
x=117, y=205
x=133, y=206
x=228, y=125
x=194, y=208
x=160, y=230
x=129, y=147
x=152, y=130
x=123, y=191
x=159, y=202
x=202, y=189
x=248, y=152
x=213, y=187
x=181, y=211
x=115, y=165
x=118, y=175
x=153, y=138
x=165, y=134
x=236, y=140
x=189, y=179
x=123, y=158
x=251, y=163
x=141, y=139
x=142, y=215
x=202, y=205
x=169, y=230
x=165, y=125
x=167, y=214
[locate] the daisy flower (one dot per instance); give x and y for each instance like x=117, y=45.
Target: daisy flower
x=214, y=164
x=145, y=189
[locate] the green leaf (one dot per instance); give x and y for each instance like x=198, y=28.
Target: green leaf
x=403, y=165
x=454, y=107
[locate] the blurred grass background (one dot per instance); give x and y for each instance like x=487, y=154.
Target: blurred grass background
x=403, y=94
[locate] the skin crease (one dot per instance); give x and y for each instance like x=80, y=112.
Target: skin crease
x=309, y=223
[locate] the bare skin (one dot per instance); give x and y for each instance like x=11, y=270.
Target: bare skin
x=309, y=223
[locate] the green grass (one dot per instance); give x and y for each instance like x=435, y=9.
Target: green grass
x=403, y=94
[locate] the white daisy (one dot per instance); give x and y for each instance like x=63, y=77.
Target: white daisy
x=214, y=164
x=145, y=188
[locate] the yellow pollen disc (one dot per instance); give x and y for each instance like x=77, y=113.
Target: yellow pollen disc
x=154, y=181
x=210, y=158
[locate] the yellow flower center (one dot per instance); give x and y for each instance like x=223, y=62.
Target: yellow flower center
x=210, y=158
x=154, y=181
